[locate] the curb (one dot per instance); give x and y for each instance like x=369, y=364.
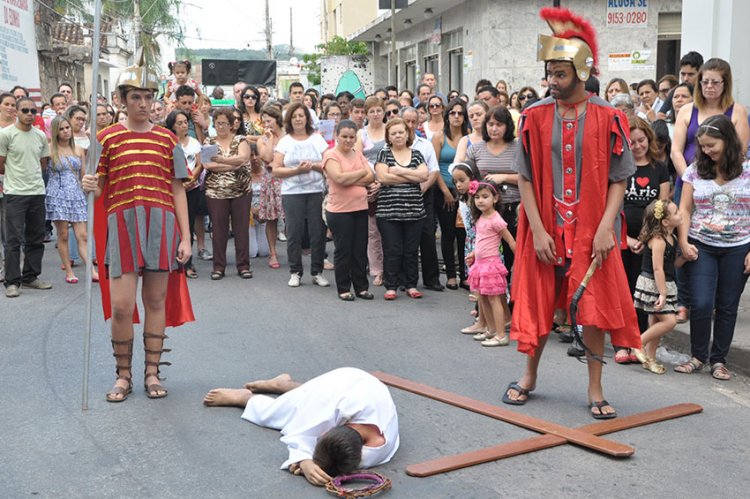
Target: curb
x=738, y=359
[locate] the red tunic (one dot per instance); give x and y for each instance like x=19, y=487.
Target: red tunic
x=135, y=222
x=607, y=303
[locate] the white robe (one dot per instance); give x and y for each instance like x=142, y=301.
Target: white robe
x=338, y=397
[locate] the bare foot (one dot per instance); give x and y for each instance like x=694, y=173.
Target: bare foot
x=273, y=385
x=227, y=397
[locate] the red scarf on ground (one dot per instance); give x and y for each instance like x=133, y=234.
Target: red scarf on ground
x=607, y=303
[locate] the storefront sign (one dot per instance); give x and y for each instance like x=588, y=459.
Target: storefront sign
x=637, y=60
x=19, y=64
x=627, y=13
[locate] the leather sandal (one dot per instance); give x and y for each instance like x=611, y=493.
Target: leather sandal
x=689, y=367
x=154, y=390
x=118, y=393
x=653, y=366
x=719, y=371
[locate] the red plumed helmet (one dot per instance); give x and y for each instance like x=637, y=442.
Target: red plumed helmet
x=582, y=49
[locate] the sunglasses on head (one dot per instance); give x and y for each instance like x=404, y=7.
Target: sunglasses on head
x=27, y=110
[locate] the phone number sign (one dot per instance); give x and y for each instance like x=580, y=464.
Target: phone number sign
x=627, y=13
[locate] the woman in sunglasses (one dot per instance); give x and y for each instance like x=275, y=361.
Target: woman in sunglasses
x=250, y=108
x=392, y=109
x=445, y=142
x=526, y=95
x=434, y=124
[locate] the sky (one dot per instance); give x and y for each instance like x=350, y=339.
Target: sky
x=217, y=23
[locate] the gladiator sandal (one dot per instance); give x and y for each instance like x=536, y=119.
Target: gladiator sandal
x=122, y=350
x=153, y=359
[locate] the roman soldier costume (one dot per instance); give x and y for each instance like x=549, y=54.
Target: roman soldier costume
x=570, y=164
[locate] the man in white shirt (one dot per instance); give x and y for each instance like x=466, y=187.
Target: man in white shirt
x=427, y=246
x=333, y=424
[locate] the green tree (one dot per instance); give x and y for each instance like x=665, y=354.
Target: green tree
x=336, y=46
x=158, y=18
x=312, y=63
x=341, y=46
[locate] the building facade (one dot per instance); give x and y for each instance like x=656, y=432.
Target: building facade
x=463, y=41
x=344, y=17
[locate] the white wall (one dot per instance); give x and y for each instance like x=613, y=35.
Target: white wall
x=501, y=35
x=716, y=28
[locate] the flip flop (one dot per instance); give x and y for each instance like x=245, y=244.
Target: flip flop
x=521, y=392
x=71, y=280
x=601, y=415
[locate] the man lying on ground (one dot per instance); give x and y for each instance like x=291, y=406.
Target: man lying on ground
x=340, y=421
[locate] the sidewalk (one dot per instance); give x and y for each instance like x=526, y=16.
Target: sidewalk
x=739, y=354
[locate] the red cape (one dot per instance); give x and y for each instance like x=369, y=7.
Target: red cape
x=607, y=303
x=179, y=308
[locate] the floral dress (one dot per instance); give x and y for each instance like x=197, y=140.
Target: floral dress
x=270, y=196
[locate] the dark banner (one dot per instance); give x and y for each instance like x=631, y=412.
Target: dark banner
x=230, y=71
x=386, y=4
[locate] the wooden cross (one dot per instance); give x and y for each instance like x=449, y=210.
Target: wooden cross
x=552, y=434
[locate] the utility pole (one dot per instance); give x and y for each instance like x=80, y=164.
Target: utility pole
x=291, y=36
x=393, y=63
x=325, y=21
x=269, y=45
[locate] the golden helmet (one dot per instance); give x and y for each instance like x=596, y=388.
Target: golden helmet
x=574, y=40
x=139, y=76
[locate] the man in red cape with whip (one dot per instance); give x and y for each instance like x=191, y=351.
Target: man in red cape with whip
x=573, y=164
x=139, y=218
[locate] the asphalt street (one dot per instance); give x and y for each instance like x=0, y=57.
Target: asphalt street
x=248, y=329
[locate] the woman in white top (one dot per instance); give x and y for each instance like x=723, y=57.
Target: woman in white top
x=297, y=160
x=77, y=117
x=177, y=122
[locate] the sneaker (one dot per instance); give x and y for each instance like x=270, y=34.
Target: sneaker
x=37, y=284
x=295, y=280
x=204, y=254
x=12, y=291
x=320, y=280
x=282, y=237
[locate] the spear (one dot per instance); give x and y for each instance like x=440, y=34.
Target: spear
x=92, y=160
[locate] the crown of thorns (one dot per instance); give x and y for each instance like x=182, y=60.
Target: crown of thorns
x=377, y=483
